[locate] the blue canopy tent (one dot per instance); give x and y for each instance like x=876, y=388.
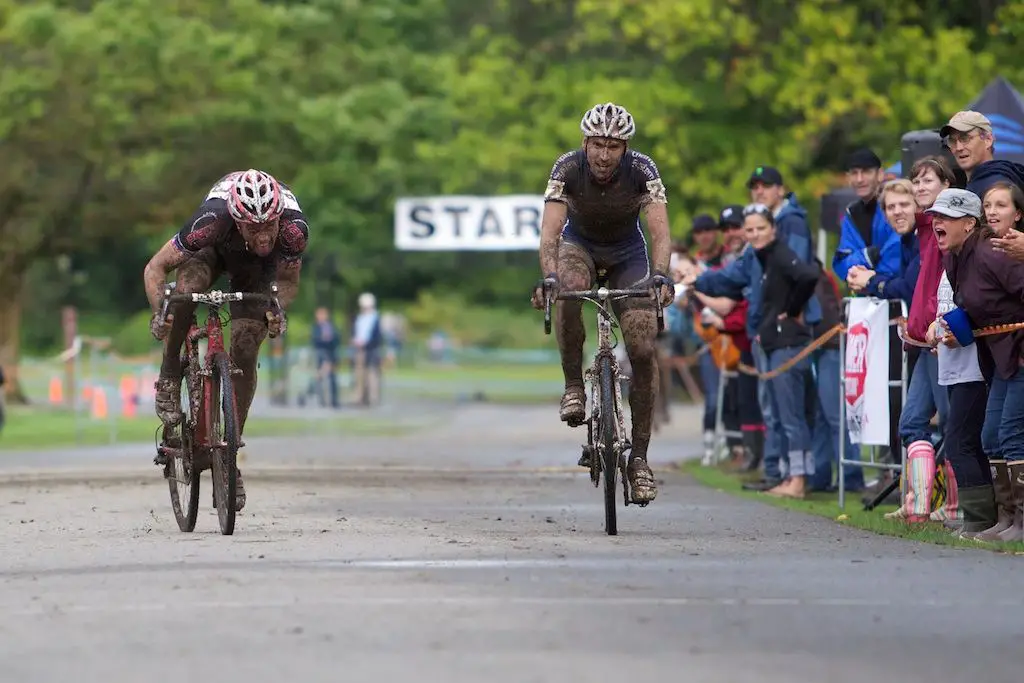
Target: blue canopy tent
x=1004, y=107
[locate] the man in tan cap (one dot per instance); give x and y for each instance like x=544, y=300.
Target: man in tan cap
x=968, y=135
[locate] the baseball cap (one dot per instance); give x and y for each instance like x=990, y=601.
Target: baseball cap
x=956, y=203
x=731, y=216
x=703, y=223
x=863, y=158
x=965, y=121
x=769, y=175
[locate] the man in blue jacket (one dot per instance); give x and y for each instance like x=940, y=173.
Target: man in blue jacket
x=866, y=238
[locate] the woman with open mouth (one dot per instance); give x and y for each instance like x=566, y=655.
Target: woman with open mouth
x=988, y=288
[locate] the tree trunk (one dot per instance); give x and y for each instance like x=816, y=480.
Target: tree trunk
x=10, y=335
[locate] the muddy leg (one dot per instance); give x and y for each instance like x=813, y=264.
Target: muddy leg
x=639, y=331
x=575, y=272
x=246, y=337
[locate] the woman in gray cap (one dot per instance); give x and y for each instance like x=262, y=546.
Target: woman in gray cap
x=988, y=288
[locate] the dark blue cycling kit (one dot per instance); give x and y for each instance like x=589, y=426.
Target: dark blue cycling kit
x=604, y=218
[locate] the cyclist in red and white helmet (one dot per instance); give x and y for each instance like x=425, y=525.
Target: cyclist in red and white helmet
x=592, y=208
x=249, y=227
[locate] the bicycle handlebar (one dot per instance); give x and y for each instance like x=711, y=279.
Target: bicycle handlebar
x=601, y=294
x=216, y=298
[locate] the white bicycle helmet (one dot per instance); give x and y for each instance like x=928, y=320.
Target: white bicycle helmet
x=255, y=197
x=608, y=121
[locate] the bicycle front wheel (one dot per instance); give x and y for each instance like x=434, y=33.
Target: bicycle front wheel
x=183, y=470
x=224, y=433
x=609, y=452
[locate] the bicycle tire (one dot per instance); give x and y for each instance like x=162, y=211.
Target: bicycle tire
x=224, y=427
x=184, y=480
x=609, y=453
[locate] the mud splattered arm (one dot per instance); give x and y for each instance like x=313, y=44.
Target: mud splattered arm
x=288, y=282
x=154, y=276
x=656, y=216
x=550, y=228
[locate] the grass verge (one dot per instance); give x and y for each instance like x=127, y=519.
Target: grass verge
x=28, y=429
x=827, y=505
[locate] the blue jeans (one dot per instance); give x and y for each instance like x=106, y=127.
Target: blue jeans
x=709, y=377
x=827, y=431
x=774, y=439
x=789, y=409
x=924, y=397
x=1002, y=436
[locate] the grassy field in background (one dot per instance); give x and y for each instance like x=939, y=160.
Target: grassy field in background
x=34, y=429
x=826, y=505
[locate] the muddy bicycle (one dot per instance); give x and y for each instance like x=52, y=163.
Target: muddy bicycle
x=607, y=444
x=207, y=437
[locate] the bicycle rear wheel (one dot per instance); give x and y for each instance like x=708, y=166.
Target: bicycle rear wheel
x=609, y=452
x=224, y=432
x=183, y=470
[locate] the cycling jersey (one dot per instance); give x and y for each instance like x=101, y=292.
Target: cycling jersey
x=212, y=225
x=605, y=212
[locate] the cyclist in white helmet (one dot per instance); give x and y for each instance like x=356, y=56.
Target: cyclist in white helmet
x=250, y=227
x=591, y=220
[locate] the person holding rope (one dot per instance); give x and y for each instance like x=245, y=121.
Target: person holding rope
x=988, y=287
x=787, y=285
x=986, y=494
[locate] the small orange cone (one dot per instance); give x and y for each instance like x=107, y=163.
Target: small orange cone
x=56, y=391
x=99, y=403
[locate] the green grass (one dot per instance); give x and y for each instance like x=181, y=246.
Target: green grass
x=29, y=429
x=827, y=505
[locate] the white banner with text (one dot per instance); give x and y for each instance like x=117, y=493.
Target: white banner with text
x=867, y=372
x=465, y=223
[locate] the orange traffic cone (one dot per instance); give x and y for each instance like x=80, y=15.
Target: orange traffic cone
x=99, y=403
x=56, y=391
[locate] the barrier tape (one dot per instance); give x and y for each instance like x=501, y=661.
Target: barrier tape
x=826, y=337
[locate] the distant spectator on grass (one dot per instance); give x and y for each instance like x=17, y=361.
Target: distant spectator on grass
x=326, y=341
x=367, y=341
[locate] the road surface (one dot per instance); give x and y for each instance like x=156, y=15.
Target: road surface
x=469, y=552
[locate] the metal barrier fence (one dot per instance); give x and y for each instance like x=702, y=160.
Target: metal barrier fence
x=895, y=345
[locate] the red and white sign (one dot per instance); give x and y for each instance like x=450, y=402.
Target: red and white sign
x=866, y=372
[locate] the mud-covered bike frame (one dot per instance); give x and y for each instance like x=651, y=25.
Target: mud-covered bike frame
x=208, y=435
x=607, y=443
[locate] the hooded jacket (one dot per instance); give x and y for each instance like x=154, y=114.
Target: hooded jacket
x=925, y=302
x=866, y=239
x=989, y=173
x=791, y=226
x=901, y=285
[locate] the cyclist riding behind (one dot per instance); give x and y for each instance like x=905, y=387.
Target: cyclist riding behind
x=251, y=228
x=591, y=221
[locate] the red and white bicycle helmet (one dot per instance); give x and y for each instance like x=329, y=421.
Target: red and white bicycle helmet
x=255, y=197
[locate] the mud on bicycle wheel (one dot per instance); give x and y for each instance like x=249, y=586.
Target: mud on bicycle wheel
x=183, y=469
x=609, y=454
x=224, y=430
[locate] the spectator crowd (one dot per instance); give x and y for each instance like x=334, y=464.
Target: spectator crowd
x=944, y=245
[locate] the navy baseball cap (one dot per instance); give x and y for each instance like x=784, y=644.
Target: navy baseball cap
x=769, y=175
x=703, y=223
x=731, y=216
